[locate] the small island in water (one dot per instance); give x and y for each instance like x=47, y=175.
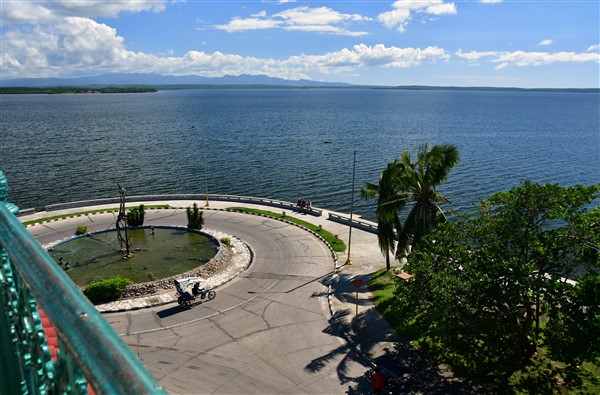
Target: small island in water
x=52, y=90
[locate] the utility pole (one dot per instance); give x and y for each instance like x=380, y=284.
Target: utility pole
x=349, y=261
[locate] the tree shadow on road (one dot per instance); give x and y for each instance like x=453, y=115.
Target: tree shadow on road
x=346, y=351
x=370, y=340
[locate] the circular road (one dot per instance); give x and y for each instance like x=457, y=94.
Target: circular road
x=268, y=330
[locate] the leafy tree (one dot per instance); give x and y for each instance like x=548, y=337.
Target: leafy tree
x=482, y=283
x=573, y=329
x=135, y=216
x=541, y=225
x=404, y=182
x=195, y=217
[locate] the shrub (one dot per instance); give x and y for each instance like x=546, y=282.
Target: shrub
x=195, y=217
x=135, y=216
x=106, y=290
x=81, y=230
x=226, y=241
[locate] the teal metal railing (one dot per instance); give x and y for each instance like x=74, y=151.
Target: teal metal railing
x=90, y=351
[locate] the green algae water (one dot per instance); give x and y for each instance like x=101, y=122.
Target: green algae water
x=157, y=254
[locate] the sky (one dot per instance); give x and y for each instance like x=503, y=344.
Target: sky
x=503, y=43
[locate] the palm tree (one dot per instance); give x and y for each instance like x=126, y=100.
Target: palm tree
x=389, y=203
x=420, y=180
x=404, y=182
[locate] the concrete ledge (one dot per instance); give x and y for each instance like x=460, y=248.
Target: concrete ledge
x=189, y=197
x=366, y=226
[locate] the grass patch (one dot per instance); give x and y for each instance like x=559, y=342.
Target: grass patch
x=337, y=244
x=88, y=212
x=382, y=285
x=542, y=376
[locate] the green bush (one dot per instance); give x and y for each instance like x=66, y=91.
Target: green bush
x=226, y=241
x=195, y=217
x=106, y=290
x=135, y=216
x=81, y=230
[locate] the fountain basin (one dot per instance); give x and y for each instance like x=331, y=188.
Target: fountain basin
x=157, y=252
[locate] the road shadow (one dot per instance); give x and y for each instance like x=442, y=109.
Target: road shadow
x=174, y=310
x=345, y=350
x=406, y=369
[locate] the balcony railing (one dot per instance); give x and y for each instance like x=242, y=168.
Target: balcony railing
x=91, y=356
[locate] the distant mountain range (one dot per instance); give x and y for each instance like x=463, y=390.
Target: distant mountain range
x=159, y=81
x=137, y=79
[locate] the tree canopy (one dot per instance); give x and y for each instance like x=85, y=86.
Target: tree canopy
x=405, y=183
x=483, y=283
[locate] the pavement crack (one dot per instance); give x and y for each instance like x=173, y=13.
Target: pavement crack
x=218, y=326
x=262, y=313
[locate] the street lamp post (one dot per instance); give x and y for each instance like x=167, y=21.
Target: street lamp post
x=349, y=261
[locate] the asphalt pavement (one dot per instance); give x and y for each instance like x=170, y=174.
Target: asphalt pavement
x=290, y=317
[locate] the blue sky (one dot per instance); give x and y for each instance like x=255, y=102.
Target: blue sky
x=530, y=44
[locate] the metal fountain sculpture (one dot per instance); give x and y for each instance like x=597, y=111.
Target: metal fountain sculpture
x=122, y=233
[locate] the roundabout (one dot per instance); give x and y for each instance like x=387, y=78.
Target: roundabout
x=267, y=332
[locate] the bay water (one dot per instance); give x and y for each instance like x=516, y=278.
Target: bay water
x=290, y=143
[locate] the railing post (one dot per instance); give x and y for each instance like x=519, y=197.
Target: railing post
x=89, y=348
x=11, y=376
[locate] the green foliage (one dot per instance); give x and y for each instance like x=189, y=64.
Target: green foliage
x=404, y=182
x=226, y=241
x=337, y=244
x=106, y=290
x=573, y=331
x=195, y=217
x=485, y=285
x=81, y=230
x=135, y=216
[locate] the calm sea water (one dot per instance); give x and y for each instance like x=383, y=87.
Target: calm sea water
x=287, y=144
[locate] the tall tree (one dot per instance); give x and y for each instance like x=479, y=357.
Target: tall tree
x=404, y=182
x=389, y=203
x=420, y=179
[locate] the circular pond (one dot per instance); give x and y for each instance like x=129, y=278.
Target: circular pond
x=158, y=252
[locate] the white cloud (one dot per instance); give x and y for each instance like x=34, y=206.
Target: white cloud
x=321, y=19
x=525, y=59
x=522, y=58
x=404, y=10
x=362, y=56
x=75, y=43
x=81, y=45
x=546, y=42
x=593, y=48
x=260, y=14
x=52, y=11
x=238, y=24
x=491, y=1
x=474, y=55
x=316, y=16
